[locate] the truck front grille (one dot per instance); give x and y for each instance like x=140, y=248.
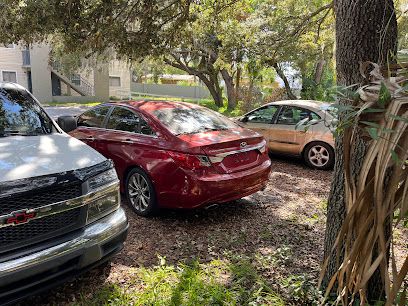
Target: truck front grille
x=13, y=237
x=38, y=198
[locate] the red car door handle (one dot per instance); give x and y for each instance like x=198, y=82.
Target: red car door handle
x=128, y=140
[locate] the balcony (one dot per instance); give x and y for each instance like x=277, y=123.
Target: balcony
x=26, y=58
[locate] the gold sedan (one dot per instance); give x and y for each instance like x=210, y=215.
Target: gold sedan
x=296, y=127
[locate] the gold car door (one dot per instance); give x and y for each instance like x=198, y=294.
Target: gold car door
x=260, y=120
x=286, y=136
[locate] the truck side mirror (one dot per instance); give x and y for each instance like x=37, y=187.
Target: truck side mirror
x=67, y=123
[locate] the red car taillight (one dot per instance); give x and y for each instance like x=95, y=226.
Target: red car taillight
x=189, y=161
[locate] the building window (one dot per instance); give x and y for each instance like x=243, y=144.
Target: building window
x=114, y=81
x=9, y=76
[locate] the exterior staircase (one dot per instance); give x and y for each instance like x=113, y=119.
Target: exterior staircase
x=74, y=82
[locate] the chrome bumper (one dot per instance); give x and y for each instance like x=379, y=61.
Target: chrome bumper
x=87, y=247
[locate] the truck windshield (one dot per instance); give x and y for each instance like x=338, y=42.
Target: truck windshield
x=20, y=114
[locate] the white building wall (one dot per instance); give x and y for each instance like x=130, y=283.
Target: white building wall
x=11, y=59
x=118, y=69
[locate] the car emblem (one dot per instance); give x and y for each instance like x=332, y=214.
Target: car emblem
x=20, y=217
x=243, y=144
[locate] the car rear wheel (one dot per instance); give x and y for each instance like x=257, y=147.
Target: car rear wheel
x=319, y=155
x=140, y=193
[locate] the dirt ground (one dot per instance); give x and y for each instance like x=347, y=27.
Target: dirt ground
x=287, y=216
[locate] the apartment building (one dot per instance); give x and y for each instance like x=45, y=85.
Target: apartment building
x=32, y=69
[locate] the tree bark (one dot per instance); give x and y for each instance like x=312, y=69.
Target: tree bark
x=285, y=80
x=238, y=83
x=365, y=31
x=229, y=84
x=319, y=71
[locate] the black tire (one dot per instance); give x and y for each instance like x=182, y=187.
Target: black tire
x=140, y=193
x=319, y=155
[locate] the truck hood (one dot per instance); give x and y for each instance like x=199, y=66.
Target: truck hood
x=30, y=156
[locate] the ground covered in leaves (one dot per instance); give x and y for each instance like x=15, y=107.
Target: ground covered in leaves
x=265, y=249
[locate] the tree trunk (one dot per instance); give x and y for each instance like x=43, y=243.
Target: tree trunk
x=282, y=75
x=209, y=78
x=365, y=31
x=214, y=88
x=238, y=83
x=319, y=71
x=229, y=84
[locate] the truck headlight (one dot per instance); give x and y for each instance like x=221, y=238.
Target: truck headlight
x=101, y=179
x=106, y=185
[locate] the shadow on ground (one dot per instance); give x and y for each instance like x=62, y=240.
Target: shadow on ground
x=288, y=214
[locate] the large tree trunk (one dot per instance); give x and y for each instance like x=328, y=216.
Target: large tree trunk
x=214, y=88
x=238, y=83
x=285, y=80
x=319, y=71
x=231, y=93
x=365, y=31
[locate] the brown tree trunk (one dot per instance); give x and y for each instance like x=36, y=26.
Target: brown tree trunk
x=365, y=31
x=285, y=80
x=229, y=84
x=319, y=71
x=238, y=83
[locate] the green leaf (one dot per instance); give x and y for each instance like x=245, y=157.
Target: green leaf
x=373, y=110
x=384, y=96
x=373, y=133
x=399, y=118
x=388, y=131
x=395, y=157
x=372, y=124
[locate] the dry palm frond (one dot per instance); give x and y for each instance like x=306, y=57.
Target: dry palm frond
x=377, y=194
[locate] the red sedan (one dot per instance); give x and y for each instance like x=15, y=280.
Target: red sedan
x=175, y=155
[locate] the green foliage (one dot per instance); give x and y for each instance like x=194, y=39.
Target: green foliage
x=384, y=96
x=216, y=283
x=325, y=90
x=302, y=290
x=133, y=29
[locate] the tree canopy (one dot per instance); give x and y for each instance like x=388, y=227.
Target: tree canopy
x=212, y=39
x=133, y=29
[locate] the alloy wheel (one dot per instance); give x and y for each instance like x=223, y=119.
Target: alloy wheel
x=318, y=156
x=139, y=192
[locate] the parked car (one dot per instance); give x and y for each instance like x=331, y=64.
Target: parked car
x=281, y=125
x=60, y=208
x=174, y=154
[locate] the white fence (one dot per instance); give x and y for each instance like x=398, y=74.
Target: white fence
x=170, y=90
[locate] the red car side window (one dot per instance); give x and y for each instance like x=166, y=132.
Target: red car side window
x=123, y=119
x=93, y=117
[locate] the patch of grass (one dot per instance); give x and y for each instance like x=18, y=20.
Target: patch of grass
x=323, y=206
x=220, y=282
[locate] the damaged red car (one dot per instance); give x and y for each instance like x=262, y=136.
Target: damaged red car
x=174, y=154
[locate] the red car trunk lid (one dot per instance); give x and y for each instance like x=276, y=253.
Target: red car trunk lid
x=228, y=150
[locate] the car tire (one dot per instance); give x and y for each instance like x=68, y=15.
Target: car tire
x=140, y=193
x=319, y=155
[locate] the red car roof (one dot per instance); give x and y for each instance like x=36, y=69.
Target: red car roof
x=150, y=106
